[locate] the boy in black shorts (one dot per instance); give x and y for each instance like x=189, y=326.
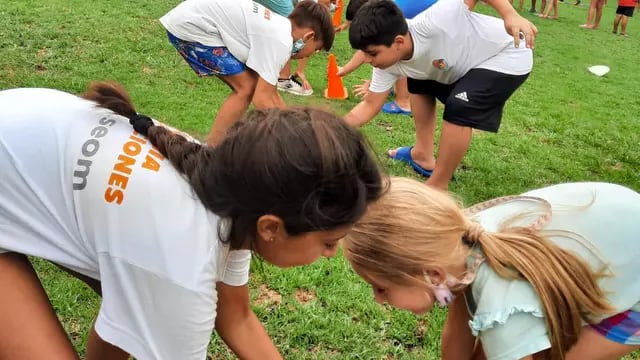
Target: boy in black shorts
x=464, y=59
x=623, y=13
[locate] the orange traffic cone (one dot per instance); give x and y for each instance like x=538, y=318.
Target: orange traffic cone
x=335, y=89
x=337, y=14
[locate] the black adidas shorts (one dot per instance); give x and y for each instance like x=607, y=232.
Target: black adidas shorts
x=476, y=100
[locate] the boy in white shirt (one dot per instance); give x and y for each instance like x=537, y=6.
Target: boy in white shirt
x=464, y=59
x=245, y=45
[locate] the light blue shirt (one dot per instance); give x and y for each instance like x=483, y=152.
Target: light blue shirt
x=280, y=7
x=605, y=219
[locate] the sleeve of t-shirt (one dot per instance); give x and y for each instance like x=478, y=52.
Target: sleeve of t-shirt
x=235, y=268
x=381, y=80
x=151, y=317
x=267, y=57
x=521, y=335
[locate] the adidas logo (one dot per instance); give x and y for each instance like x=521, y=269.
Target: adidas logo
x=462, y=96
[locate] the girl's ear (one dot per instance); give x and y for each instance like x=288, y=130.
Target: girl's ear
x=436, y=277
x=268, y=227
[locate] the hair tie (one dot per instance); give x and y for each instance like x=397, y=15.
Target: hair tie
x=473, y=233
x=141, y=123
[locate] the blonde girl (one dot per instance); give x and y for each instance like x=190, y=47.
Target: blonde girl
x=549, y=274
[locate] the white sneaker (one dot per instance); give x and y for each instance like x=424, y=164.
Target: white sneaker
x=293, y=86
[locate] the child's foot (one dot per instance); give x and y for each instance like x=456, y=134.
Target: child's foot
x=577, y=3
x=414, y=159
x=624, y=34
x=291, y=85
x=586, y=26
x=532, y=10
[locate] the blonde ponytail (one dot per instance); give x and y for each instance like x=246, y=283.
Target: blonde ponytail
x=565, y=283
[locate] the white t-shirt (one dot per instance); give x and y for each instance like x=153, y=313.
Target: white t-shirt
x=255, y=35
x=448, y=41
x=605, y=217
x=80, y=188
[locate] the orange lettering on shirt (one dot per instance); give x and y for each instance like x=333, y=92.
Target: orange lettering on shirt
x=111, y=195
x=124, y=164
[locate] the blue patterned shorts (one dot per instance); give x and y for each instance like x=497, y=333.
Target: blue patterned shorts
x=207, y=60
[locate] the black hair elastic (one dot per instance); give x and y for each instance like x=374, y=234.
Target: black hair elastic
x=141, y=123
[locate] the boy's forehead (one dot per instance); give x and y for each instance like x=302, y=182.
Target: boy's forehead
x=373, y=48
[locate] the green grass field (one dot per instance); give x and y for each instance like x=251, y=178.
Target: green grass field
x=564, y=124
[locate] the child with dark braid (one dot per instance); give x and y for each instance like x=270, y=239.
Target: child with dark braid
x=161, y=227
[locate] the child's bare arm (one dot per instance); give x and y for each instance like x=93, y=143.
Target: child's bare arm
x=356, y=60
x=514, y=24
x=457, y=342
x=366, y=109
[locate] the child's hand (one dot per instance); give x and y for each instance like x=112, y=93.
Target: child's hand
x=341, y=71
x=361, y=90
x=305, y=84
x=521, y=29
x=342, y=27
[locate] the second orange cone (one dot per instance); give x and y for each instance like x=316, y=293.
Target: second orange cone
x=335, y=89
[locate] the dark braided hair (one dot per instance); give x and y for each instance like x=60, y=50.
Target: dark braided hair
x=304, y=165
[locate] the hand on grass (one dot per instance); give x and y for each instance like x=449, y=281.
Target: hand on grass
x=361, y=90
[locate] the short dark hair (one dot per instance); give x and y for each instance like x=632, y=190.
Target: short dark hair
x=353, y=7
x=304, y=165
x=377, y=22
x=312, y=15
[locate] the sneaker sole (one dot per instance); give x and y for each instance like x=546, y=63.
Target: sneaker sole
x=295, y=93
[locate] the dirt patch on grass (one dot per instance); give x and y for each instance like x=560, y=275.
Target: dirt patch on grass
x=304, y=296
x=268, y=297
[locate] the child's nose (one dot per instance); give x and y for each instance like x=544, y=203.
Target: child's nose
x=328, y=253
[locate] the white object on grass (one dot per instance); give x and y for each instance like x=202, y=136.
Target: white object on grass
x=599, y=70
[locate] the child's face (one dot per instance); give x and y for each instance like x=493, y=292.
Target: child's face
x=283, y=250
x=382, y=56
x=416, y=299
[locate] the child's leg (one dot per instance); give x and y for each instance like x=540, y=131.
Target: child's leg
x=543, y=5
x=616, y=22
x=218, y=61
x=476, y=101
x=623, y=29
x=599, y=8
x=285, y=73
x=533, y=6
x=236, y=104
x=454, y=143
x=33, y=330
x=556, y=14
x=547, y=11
x=424, y=116
x=521, y=5
x=590, y=15
x=402, y=94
